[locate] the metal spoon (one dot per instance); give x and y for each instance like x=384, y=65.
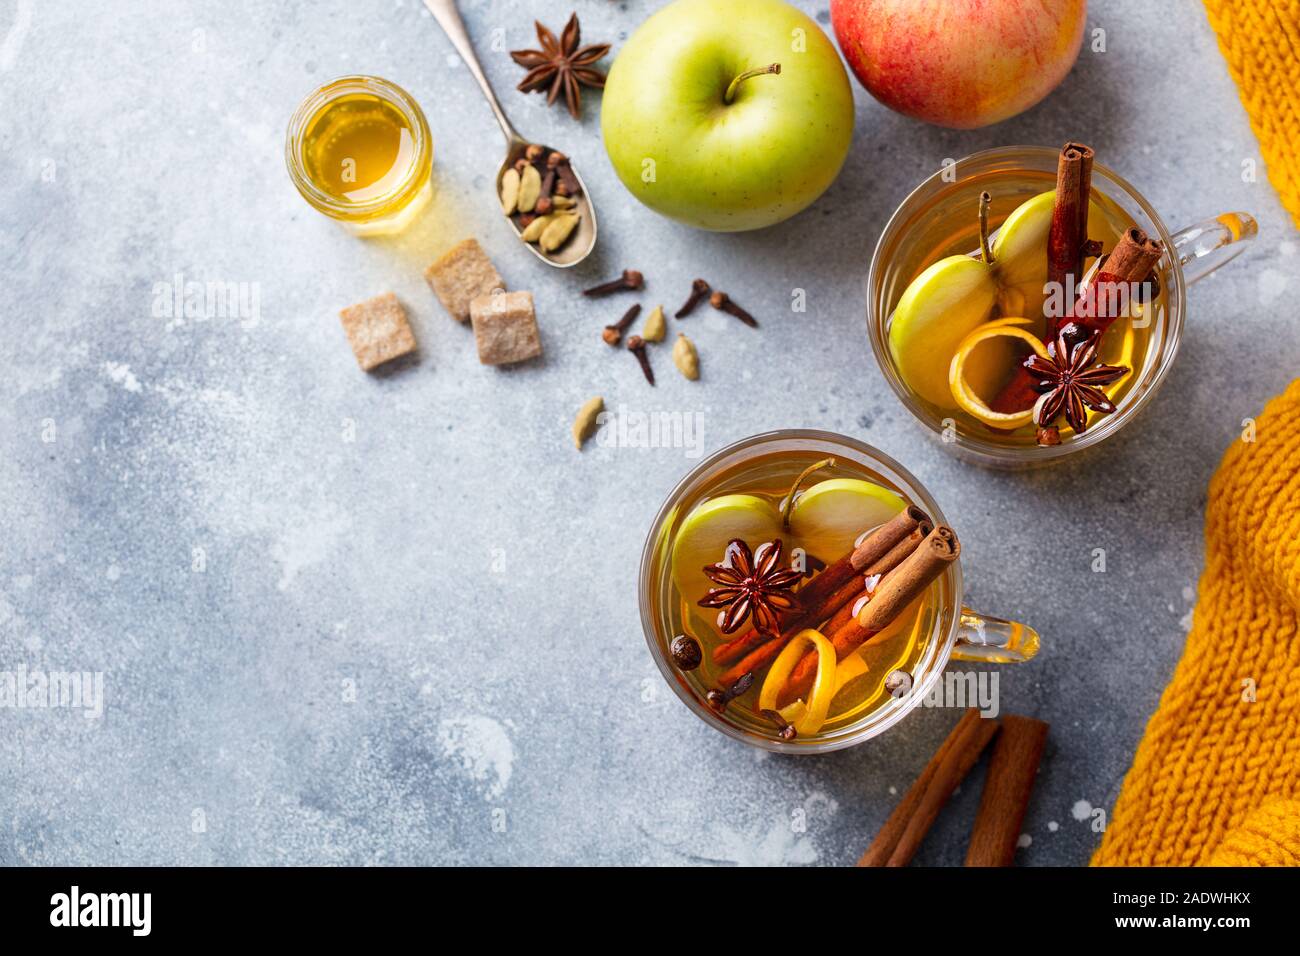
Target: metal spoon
x=583, y=240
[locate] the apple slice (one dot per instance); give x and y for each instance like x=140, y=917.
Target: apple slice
x=943, y=305
x=827, y=518
x=703, y=537
x=1019, y=252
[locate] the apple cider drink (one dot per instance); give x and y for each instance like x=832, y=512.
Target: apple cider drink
x=803, y=592
x=1022, y=312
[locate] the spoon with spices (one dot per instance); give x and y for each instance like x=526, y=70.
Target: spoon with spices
x=541, y=194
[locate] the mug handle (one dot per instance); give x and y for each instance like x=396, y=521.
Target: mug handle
x=1204, y=247
x=993, y=640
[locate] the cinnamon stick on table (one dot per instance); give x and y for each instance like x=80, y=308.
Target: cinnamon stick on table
x=1007, y=787
x=905, y=828
x=947, y=775
x=817, y=593
x=908, y=581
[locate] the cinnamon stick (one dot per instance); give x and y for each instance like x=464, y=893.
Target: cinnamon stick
x=848, y=609
x=933, y=556
x=837, y=609
x=1108, y=295
x=1007, y=787
x=1069, y=230
x=877, y=544
x=951, y=770
x=817, y=593
x=882, y=847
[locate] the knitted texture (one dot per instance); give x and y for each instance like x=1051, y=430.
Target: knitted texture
x=1211, y=756
x=1261, y=41
x=1270, y=836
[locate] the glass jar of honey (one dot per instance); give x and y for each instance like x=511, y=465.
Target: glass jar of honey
x=359, y=150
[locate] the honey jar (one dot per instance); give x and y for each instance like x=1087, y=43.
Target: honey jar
x=359, y=150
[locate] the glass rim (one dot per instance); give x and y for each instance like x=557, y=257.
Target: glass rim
x=936, y=660
x=1137, y=398
x=361, y=83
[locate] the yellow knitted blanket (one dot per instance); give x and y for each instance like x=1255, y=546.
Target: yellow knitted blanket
x=1261, y=41
x=1216, y=778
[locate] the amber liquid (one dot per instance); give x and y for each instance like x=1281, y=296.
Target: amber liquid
x=908, y=637
x=358, y=148
x=952, y=228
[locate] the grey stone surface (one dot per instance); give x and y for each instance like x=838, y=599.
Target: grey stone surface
x=414, y=637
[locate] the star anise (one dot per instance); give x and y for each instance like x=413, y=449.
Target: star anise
x=561, y=65
x=752, y=584
x=1070, y=379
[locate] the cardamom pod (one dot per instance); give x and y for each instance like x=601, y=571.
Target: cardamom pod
x=563, y=202
x=530, y=187
x=533, y=231
x=558, y=230
x=585, y=425
x=654, y=329
x=510, y=191
x=686, y=358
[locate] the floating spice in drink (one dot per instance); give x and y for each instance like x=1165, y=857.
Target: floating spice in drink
x=359, y=150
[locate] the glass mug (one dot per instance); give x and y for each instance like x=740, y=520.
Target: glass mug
x=1189, y=255
x=354, y=110
x=955, y=632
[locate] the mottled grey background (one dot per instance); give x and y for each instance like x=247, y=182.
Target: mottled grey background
x=458, y=568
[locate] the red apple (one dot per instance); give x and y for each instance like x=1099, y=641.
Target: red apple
x=960, y=63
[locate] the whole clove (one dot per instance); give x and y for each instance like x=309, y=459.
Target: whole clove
x=719, y=699
x=630, y=280
x=699, y=292
x=898, y=683
x=722, y=302
x=636, y=345
x=613, y=334
x=785, y=729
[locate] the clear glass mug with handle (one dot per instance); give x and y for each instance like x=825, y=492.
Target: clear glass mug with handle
x=1189, y=255
x=953, y=633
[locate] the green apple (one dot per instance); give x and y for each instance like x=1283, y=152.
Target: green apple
x=698, y=129
x=703, y=537
x=827, y=519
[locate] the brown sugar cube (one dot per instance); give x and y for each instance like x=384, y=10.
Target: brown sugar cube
x=377, y=330
x=505, y=328
x=462, y=275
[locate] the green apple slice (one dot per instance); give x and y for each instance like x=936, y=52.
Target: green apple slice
x=704, y=535
x=1020, y=247
x=827, y=519
x=943, y=305
x=1020, y=253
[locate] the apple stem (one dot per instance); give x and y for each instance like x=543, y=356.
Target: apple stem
x=986, y=253
x=788, y=505
x=761, y=71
